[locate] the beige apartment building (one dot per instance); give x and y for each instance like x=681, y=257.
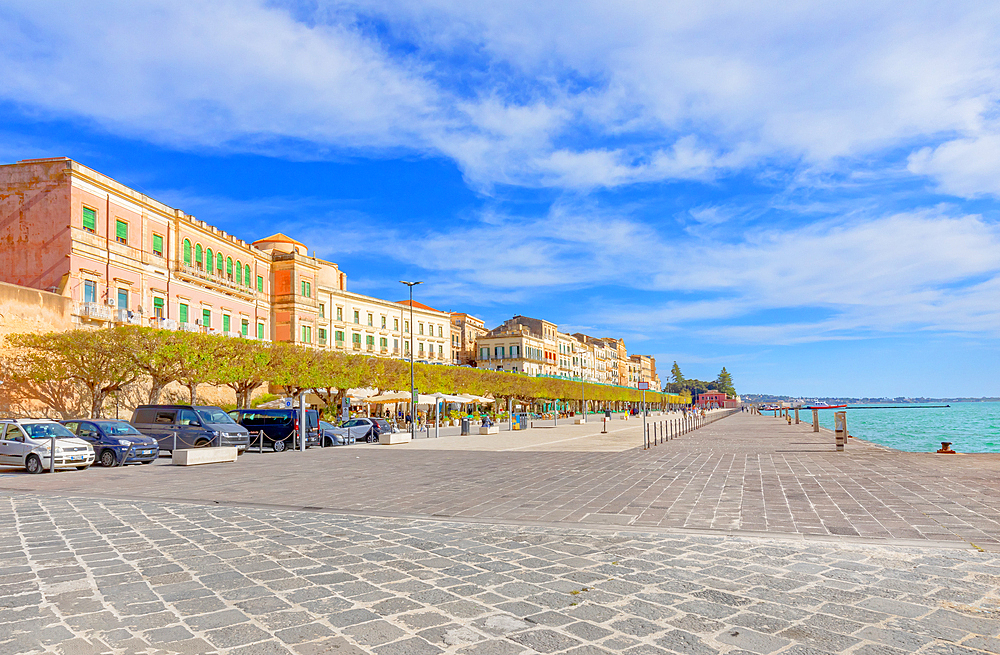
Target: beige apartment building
x=465, y=331
x=512, y=347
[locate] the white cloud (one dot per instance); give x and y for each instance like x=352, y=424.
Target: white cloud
x=967, y=167
x=576, y=95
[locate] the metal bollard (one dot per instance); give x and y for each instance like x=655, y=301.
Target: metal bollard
x=52, y=454
x=175, y=446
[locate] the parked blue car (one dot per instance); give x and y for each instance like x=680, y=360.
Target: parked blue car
x=113, y=440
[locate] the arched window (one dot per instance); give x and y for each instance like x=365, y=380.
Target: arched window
x=210, y=258
x=229, y=267
x=198, y=255
x=187, y=252
x=246, y=271
x=239, y=272
x=220, y=263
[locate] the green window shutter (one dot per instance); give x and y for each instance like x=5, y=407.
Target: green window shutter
x=220, y=263
x=260, y=330
x=198, y=254
x=340, y=335
x=225, y=323
x=158, y=307
x=206, y=317
x=183, y=313
x=90, y=219
x=356, y=338
x=246, y=270
x=121, y=231
x=260, y=283
x=239, y=273
x=229, y=265
x=209, y=260
x=245, y=327
x=157, y=244
x=187, y=252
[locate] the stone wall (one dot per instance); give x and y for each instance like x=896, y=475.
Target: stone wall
x=30, y=310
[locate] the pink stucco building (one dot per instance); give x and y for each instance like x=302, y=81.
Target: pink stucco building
x=123, y=257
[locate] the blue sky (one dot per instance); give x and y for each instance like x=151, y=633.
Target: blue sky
x=804, y=192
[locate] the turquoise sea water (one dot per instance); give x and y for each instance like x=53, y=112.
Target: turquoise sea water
x=971, y=427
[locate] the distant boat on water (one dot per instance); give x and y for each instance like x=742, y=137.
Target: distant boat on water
x=822, y=405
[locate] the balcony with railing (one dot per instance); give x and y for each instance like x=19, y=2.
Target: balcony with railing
x=95, y=311
x=357, y=345
x=339, y=343
x=216, y=282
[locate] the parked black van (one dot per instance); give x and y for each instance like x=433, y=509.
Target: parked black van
x=279, y=427
x=195, y=426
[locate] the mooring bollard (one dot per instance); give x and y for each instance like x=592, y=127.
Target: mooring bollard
x=815, y=420
x=946, y=448
x=840, y=428
x=796, y=416
x=175, y=445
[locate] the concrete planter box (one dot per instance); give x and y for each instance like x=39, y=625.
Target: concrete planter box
x=392, y=438
x=493, y=429
x=579, y=420
x=195, y=456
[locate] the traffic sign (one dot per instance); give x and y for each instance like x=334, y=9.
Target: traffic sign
x=644, y=386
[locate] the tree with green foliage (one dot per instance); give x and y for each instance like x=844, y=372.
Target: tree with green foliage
x=196, y=358
x=155, y=353
x=97, y=359
x=724, y=382
x=242, y=366
x=675, y=373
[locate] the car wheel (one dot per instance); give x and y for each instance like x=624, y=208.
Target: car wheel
x=279, y=446
x=372, y=437
x=83, y=468
x=33, y=464
x=108, y=458
x=149, y=461
x=202, y=443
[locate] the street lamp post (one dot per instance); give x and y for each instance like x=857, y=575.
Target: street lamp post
x=413, y=402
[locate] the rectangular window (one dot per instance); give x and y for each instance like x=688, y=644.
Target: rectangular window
x=306, y=334
x=245, y=327
x=206, y=318
x=370, y=321
x=158, y=245
x=89, y=291
x=395, y=324
x=406, y=347
x=260, y=331
x=225, y=322
x=440, y=330
x=383, y=343
x=515, y=351
x=370, y=340
x=383, y=322
x=340, y=313
x=498, y=352
x=260, y=283
x=121, y=231
x=420, y=348
x=395, y=344
x=322, y=335
x=158, y=307
x=420, y=328
x=484, y=353
x=322, y=310
x=339, y=335
x=440, y=350
x=356, y=338
x=306, y=289
x=183, y=313
x=90, y=219
x=123, y=299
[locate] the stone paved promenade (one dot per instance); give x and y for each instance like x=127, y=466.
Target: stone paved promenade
x=747, y=536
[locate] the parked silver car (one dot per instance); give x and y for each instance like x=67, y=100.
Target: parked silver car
x=28, y=443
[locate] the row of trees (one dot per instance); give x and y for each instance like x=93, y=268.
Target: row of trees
x=94, y=364
x=692, y=387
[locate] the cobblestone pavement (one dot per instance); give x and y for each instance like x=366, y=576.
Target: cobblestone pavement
x=744, y=474
x=86, y=575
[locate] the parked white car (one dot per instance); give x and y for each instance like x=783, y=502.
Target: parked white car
x=27, y=442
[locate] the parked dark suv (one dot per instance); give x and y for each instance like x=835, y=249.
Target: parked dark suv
x=195, y=426
x=279, y=427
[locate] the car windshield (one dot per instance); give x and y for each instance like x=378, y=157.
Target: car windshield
x=214, y=415
x=116, y=428
x=325, y=425
x=46, y=430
